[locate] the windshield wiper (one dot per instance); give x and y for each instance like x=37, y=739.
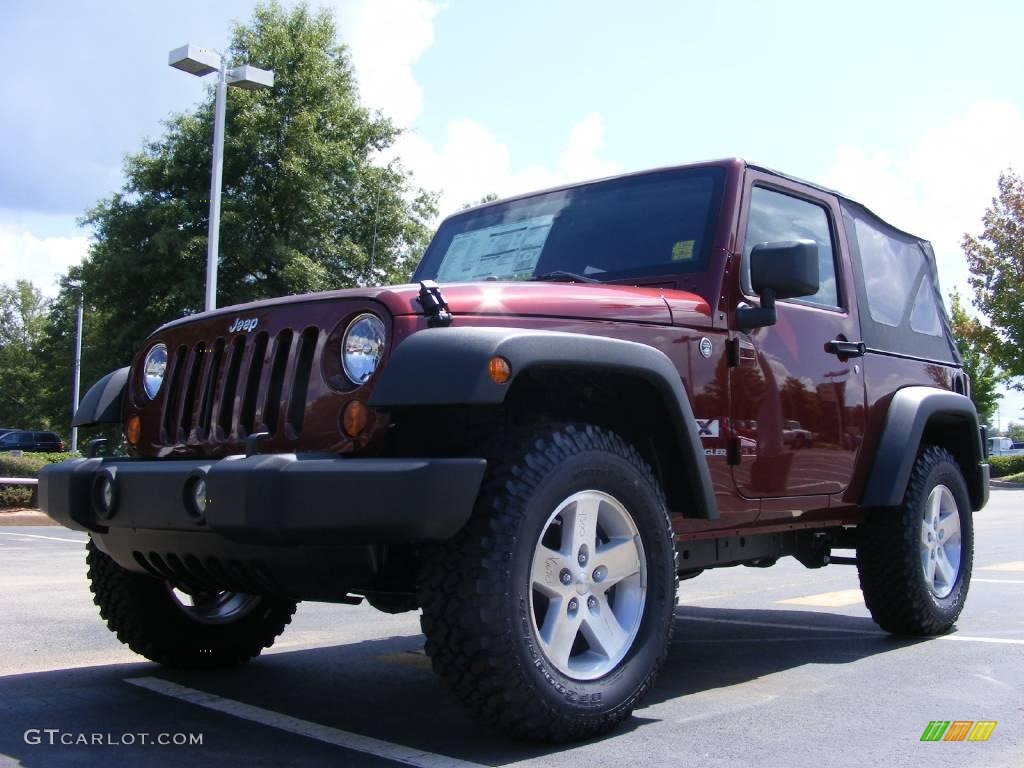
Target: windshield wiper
x=561, y=276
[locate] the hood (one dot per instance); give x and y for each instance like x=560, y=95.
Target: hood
x=588, y=301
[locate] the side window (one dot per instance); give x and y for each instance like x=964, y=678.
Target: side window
x=895, y=273
x=775, y=217
x=26, y=438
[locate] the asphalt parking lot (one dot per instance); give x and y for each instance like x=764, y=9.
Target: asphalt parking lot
x=771, y=667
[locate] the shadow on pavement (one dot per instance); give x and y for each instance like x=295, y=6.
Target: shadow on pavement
x=385, y=689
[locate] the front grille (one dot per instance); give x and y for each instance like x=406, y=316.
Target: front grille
x=228, y=389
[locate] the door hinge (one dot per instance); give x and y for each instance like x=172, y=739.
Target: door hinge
x=732, y=451
x=732, y=352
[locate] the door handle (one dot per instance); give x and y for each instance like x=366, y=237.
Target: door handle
x=844, y=348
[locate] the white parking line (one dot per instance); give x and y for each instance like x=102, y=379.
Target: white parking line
x=999, y=581
x=324, y=733
x=48, y=538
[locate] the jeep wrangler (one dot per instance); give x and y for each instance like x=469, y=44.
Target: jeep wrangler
x=585, y=395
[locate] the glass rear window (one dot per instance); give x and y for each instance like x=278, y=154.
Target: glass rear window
x=653, y=224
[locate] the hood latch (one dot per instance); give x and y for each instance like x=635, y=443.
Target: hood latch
x=433, y=304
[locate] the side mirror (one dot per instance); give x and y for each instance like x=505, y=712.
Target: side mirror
x=779, y=271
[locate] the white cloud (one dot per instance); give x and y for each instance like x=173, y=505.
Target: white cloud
x=23, y=256
x=941, y=189
x=473, y=162
x=385, y=38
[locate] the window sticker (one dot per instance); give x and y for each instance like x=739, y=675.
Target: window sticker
x=682, y=251
x=506, y=250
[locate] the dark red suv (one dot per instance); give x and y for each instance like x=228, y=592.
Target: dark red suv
x=584, y=395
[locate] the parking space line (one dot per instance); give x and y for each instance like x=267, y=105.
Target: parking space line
x=998, y=581
x=1015, y=565
x=323, y=733
x=828, y=599
x=48, y=538
x=972, y=639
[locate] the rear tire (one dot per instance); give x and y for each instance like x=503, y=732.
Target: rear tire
x=915, y=562
x=202, y=631
x=522, y=623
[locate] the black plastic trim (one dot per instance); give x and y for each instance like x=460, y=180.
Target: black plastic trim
x=274, y=498
x=448, y=366
x=911, y=410
x=102, y=403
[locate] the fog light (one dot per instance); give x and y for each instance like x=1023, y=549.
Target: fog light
x=354, y=418
x=499, y=370
x=196, y=495
x=132, y=430
x=104, y=494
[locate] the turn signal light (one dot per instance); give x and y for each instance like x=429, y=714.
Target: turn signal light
x=133, y=429
x=499, y=370
x=354, y=418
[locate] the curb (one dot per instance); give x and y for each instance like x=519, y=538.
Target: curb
x=24, y=517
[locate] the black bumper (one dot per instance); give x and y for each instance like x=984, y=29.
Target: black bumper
x=284, y=499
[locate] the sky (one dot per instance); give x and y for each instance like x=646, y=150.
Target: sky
x=912, y=108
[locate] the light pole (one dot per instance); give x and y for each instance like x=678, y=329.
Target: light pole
x=78, y=367
x=201, y=62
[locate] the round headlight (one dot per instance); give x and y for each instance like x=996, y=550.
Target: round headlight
x=362, y=348
x=153, y=369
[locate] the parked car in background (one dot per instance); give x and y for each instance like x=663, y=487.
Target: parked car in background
x=1004, y=446
x=34, y=442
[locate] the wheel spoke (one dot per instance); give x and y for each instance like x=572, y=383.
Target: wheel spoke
x=621, y=560
x=935, y=504
x=944, y=567
x=603, y=631
x=950, y=527
x=582, y=526
x=559, y=631
x=929, y=571
x=547, y=566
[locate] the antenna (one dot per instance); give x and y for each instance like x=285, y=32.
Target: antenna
x=376, y=216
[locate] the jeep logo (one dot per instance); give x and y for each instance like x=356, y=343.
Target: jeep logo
x=243, y=325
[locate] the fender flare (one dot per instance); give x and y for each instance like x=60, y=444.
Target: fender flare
x=102, y=403
x=448, y=366
x=911, y=411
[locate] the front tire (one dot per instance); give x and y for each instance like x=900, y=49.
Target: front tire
x=550, y=614
x=915, y=562
x=201, y=630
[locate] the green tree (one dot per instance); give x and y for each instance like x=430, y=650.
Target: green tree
x=974, y=340
x=22, y=326
x=996, y=262
x=306, y=205
x=490, y=197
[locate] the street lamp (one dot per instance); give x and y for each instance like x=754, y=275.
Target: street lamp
x=201, y=62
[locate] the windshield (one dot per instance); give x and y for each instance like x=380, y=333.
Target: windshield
x=654, y=224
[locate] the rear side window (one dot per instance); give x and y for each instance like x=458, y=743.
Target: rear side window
x=897, y=281
x=26, y=438
x=775, y=217
x=901, y=309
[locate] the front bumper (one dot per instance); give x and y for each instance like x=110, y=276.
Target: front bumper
x=273, y=499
